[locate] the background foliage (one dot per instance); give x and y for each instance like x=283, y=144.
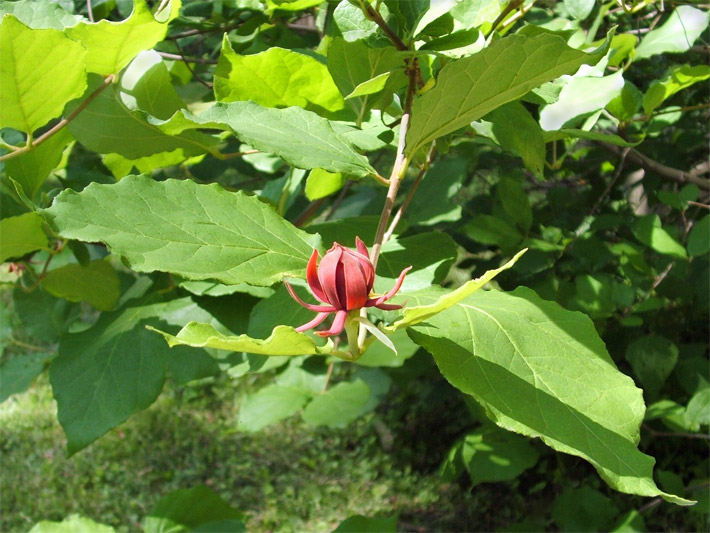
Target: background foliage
x=165, y=166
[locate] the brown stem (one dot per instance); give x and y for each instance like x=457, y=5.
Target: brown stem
x=192, y=71
x=89, y=11
x=188, y=59
x=190, y=33
x=400, y=164
x=651, y=165
x=235, y=154
x=62, y=123
x=308, y=212
x=374, y=15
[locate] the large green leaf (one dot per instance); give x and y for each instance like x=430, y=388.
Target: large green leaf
x=676, y=79
x=20, y=235
x=112, y=45
x=469, y=88
x=338, y=406
x=300, y=137
x=196, y=231
x=276, y=77
x=29, y=59
x=40, y=14
x=271, y=404
x=115, y=368
x=97, y=283
x=677, y=34
x=71, y=524
x=107, y=126
x=542, y=371
x=284, y=340
x=187, y=509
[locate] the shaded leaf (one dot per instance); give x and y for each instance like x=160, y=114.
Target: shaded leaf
x=652, y=359
x=338, y=406
x=20, y=235
x=363, y=524
x=18, y=373
x=97, y=283
x=648, y=230
x=269, y=405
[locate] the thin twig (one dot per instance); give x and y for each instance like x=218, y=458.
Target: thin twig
x=235, y=154
x=190, y=33
x=328, y=373
x=374, y=15
x=308, y=212
x=397, y=217
x=188, y=59
x=339, y=200
x=89, y=11
x=192, y=71
x=62, y=123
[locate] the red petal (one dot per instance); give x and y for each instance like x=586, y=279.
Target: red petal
x=388, y=307
x=312, y=277
x=328, y=276
x=337, y=327
x=361, y=247
x=354, y=284
x=398, y=284
x=310, y=307
x=320, y=317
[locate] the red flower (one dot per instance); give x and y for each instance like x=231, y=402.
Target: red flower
x=343, y=282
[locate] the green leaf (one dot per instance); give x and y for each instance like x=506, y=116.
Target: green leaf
x=107, y=126
x=630, y=522
x=677, y=78
x=42, y=315
x=20, y=235
x=18, y=373
x=284, y=340
x=187, y=509
x=338, y=406
x=299, y=137
x=457, y=44
x=512, y=126
x=40, y=14
x=72, y=524
x=515, y=202
x=115, y=368
x=491, y=454
x=590, y=135
x=488, y=229
x=96, y=284
x=434, y=201
x=580, y=96
x=416, y=314
x=196, y=231
x=276, y=77
x=40, y=72
x=542, y=371
x=648, y=230
x=583, y=509
x=699, y=238
x=353, y=64
x=652, y=359
x=677, y=34
x=469, y=88
x=111, y=45
x=579, y=9
x=31, y=168
x=697, y=412
x=363, y=524
x=371, y=86
x=321, y=183
x=269, y=405
x=350, y=22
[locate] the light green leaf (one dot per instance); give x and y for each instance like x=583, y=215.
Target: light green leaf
x=321, y=183
x=40, y=14
x=196, y=231
x=338, y=406
x=115, y=368
x=106, y=126
x=291, y=5
x=491, y=454
x=416, y=314
x=33, y=167
x=187, y=509
x=72, y=524
x=41, y=70
x=276, y=77
x=20, y=235
x=582, y=95
x=112, y=45
x=676, y=79
x=351, y=23
x=579, y=9
x=698, y=410
x=649, y=231
x=469, y=88
x=301, y=138
x=269, y=405
x=630, y=522
x=284, y=340
x=589, y=135
x=652, y=359
x=353, y=64
x=146, y=86
x=699, y=238
x=371, y=86
x=677, y=34
x=542, y=371
x=97, y=284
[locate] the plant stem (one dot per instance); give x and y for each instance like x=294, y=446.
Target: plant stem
x=374, y=15
x=31, y=144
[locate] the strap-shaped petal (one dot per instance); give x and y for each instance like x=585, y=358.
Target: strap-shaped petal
x=354, y=290
x=310, y=307
x=312, y=277
x=376, y=302
x=320, y=317
x=328, y=276
x=338, y=325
